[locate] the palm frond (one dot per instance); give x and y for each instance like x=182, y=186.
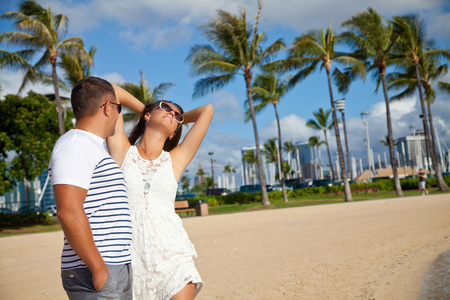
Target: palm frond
x=444, y=86
x=211, y=84
x=302, y=74
x=15, y=60
x=159, y=91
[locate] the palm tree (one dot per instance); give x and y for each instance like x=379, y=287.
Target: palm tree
x=250, y=158
x=200, y=173
x=185, y=183
x=374, y=39
x=42, y=33
x=270, y=151
x=412, y=47
x=385, y=142
x=321, y=123
x=144, y=92
x=444, y=86
x=314, y=141
x=286, y=168
x=269, y=89
x=229, y=170
x=76, y=68
x=289, y=148
x=271, y=154
x=430, y=71
x=316, y=48
x=238, y=51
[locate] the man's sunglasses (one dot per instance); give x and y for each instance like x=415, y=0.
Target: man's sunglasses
x=118, y=106
x=166, y=107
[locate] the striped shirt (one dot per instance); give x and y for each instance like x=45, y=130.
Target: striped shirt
x=79, y=158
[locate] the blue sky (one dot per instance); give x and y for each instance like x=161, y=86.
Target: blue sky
x=155, y=37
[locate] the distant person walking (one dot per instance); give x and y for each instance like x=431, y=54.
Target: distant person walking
x=422, y=184
x=153, y=162
x=91, y=199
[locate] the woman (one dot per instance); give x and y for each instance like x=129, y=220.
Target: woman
x=152, y=162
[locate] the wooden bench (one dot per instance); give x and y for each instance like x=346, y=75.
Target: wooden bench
x=183, y=206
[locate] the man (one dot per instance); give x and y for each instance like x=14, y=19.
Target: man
x=422, y=186
x=91, y=199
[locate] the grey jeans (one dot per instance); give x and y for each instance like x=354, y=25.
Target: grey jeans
x=78, y=284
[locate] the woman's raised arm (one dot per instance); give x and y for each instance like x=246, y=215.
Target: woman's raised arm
x=185, y=151
x=118, y=144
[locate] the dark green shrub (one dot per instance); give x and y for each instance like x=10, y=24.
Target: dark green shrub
x=240, y=198
x=25, y=219
x=332, y=189
x=409, y=183
x=383, y=185
x=275, y=195
x=447, y=179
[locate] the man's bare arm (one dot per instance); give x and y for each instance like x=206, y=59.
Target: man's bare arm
x=75, y=224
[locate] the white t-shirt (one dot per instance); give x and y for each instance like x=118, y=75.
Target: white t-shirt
x=80, y=159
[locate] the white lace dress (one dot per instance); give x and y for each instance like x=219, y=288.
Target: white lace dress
x=161, y=252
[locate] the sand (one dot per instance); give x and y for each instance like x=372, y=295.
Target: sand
x=378, y=249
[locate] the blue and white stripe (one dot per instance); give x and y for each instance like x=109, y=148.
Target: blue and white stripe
x=106, y=207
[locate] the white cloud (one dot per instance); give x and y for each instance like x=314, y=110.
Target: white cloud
x=161, y=22
x=113, y=77
x=439, y=24
x=404, y=114
x=316, y=14
x=225, y=148
x=293, y=128
x=227, y=108
x=12, y=80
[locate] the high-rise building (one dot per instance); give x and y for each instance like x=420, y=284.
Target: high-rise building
x=413, y=150
x=304, y=164
x=250, y=169
x=307, y=158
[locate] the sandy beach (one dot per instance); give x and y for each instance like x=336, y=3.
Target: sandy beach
x=378, y=249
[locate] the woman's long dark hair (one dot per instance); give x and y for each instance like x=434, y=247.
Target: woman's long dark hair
x=139, y=127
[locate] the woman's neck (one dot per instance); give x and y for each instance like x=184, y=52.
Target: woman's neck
x=152, y=144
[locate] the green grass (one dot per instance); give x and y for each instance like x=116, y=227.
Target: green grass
x=254, y=206
x=29, y=229
x=309, y=200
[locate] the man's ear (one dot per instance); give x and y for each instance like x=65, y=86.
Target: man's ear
x=106, y=109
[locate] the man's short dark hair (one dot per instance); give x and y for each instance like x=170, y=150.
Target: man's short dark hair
x=88, y=94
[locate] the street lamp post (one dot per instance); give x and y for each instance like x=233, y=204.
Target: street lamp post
x=412, y=129
x=426, y=144
x=340, y=105
x=364, y=113
x=212, y=168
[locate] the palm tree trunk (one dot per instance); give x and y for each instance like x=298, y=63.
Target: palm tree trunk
x=329, y=155
x=349, y=170
x=283, y=184
x=299, y=166
x=347, y=191
x=58, y=101
x=442, y=186
x=430, y=142
x=398, y=187
x=262, y=180
x=320, y=163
